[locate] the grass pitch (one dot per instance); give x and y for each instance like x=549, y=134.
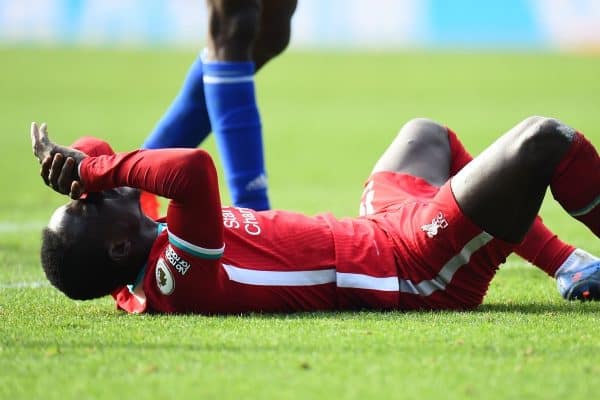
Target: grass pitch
x=327, y=117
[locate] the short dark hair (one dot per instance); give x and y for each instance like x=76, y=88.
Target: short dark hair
x=79, y=268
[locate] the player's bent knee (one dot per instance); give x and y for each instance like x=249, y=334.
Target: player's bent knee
x=543, y=141
x=423, y=126
x=532, y=120
x=421, y=149
x=425, y=132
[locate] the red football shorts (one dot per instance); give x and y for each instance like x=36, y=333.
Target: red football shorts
x=444, y=260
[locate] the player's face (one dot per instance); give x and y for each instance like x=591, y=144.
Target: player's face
x=102, y=212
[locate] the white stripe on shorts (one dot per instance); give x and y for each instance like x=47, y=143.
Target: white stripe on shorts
x=366, y=206
x=426, y=288
x=361, y=281
x=587, y=209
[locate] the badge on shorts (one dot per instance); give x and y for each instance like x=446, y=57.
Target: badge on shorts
x=164, y=278
x=432, y=229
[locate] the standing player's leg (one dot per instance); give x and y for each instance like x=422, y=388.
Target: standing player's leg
x=234, y=27
x=186, y=122
x=501, y=190
x=274, y=31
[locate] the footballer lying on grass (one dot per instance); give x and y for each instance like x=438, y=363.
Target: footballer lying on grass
x=435, y=226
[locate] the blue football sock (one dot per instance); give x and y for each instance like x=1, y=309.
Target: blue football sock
x=231, y=103
x=186, y=122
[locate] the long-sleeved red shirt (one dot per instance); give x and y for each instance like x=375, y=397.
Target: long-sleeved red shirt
x=208, y=259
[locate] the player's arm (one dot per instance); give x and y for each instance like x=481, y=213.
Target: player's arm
x=92, y=146
x=186, y=176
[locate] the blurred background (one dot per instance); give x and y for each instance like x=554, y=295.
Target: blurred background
x=355, y=71
x=555, y=24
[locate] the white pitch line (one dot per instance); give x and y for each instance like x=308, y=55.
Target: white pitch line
x=24, y=285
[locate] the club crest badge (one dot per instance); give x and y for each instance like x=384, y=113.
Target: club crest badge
x=164, y=278
x=432, y=229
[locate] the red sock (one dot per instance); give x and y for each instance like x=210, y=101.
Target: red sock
x=541, y=247
x=576, y=183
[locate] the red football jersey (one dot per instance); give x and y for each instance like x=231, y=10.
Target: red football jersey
x=273, y=261
x=208, y=259
x=413, y=249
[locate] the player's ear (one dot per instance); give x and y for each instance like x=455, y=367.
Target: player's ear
x=119, y=250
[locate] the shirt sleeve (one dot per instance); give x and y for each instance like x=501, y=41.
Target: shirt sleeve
x=92, y=146
x=186, y=176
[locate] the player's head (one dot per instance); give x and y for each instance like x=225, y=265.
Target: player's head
x=92, y=246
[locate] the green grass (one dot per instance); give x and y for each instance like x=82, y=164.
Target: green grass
x=327, y=117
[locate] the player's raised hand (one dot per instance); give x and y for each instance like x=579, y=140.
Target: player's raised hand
x=42, y=145
x=59, y=163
